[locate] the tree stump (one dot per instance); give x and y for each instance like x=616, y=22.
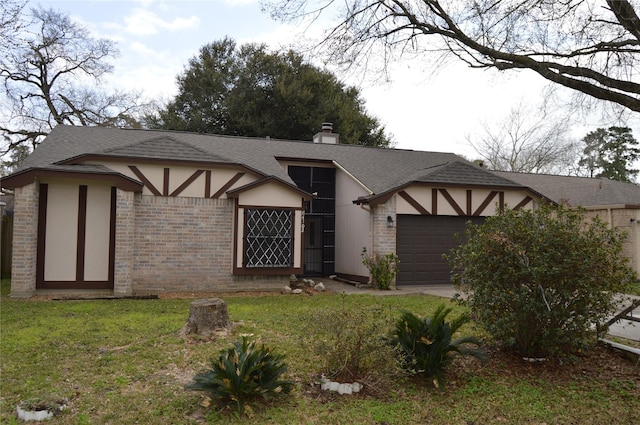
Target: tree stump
x=208, y=317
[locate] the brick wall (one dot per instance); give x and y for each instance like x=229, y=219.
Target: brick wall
x=384, y=237
x=25, y=241
x=186, y=244
x=125, y=237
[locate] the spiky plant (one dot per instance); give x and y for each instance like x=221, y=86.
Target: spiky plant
x=426, y=346
x=242, y=373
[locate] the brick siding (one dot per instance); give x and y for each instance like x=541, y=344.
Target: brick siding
x=186, y=244
x=384, y=237
x=25, y=241
x=384, y=240
x=125, y=234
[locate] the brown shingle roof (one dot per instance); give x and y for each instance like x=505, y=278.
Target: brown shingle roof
x=378, y=169
x=578, y=191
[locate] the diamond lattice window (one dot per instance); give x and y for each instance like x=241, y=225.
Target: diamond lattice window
x=269, y=237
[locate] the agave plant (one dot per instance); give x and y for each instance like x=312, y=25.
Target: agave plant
x=243, y=372
x=426, y=346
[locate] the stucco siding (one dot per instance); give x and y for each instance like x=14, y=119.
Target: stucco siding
x=626, y=220
x=96, y=265
x=454, y=201
x=270, y=195
x=61, y=239
x=352, y=226
x=297, y=240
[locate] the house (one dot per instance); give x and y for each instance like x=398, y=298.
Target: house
x=141, y=211
x=616, y=203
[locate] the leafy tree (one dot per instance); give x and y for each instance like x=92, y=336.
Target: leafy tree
x=528, y=142
x=16, y=156
x=51, y=74
x=582, y=45
x=541, y=280
x=249, y=91
x=610, y=153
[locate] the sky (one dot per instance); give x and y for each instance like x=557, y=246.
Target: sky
x=420, y=109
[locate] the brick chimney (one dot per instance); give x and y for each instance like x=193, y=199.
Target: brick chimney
x=326, y=135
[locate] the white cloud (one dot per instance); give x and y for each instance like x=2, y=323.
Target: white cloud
x=240, y=2
x=145, y=22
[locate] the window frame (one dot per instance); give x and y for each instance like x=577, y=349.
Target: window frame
x=262, y=239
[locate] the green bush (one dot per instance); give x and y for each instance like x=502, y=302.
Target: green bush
x=244, y=372
x=348, y=342
x=541, y=281
x=426, y=346
x=383, y=268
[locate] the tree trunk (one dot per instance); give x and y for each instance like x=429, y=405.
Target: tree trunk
x=208, y=317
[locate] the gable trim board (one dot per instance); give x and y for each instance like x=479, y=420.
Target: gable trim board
x=28, y=176
x=179, y=204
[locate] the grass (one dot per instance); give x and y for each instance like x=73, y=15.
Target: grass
x=122, y=361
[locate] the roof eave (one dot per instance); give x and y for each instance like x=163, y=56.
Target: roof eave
x=29, y=175
x=234, y=193
x=383, y=197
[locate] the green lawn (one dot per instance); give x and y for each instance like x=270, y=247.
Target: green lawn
x=122, y=362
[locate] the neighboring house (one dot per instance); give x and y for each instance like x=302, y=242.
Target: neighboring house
x=140, y=211
x=616, y=203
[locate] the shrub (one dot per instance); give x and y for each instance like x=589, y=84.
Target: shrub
x=383, y=268
x=425, y=345
x=541, y=280
x=243, y=372
x=348, y=341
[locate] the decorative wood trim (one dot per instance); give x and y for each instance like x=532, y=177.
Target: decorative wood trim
x=187, y=182
x=154, y=161
x=501, y=201
x=81, y=240
x=415, y=204
x=451, y=201
x=79, y=282
x=236, y=213
x=227, y=185
x=29, y=176
x=434, y=201
x=268, y=271
x=144, y=180
x=165, y=182
x=112, y=238
x=207, y=184
x=74, y=284
x=264, y=270
x=469, y=199
x=262, y=207
x=42, y=231
x=522, y=203
x=485, y=203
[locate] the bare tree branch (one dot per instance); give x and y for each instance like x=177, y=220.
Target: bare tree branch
x=589, y=46
x=527, y=141
x=51, y=76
